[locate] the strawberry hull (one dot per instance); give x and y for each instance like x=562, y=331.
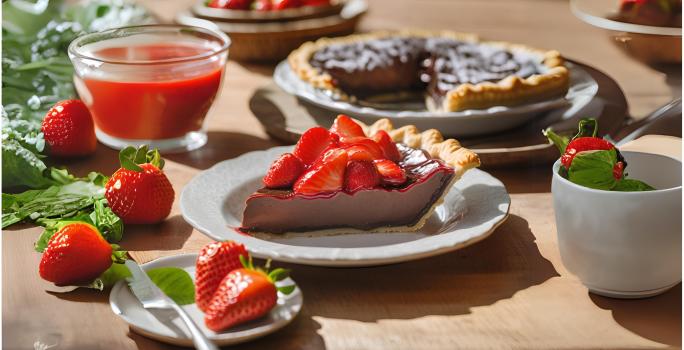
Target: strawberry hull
x=280, y=211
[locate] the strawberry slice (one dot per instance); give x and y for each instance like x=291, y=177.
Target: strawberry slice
x=359, y=152
x=313, y=143
x=360, y=175
x=371, y=146
x=284, y=172
x=326, y=175
x=390, y=172
x=346, y=127
x=389, y=148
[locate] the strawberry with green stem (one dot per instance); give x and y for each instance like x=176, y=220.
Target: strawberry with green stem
x=139, y=192
x=245, y=294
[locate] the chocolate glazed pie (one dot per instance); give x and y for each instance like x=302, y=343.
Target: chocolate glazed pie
x=431, y=166
x=455, y=71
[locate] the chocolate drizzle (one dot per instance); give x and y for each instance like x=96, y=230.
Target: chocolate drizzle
x=399, y=63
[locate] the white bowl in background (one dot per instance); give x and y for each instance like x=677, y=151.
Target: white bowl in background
x=623, y=244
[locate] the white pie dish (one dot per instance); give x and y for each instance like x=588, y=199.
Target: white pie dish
x=166, y=325
x=214, y=200
x=623, y=244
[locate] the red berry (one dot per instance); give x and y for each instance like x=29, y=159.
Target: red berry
x=262, y=5
x=230, y=4
x=140, y=197
x=326, y=175
x=360, y=175
x=346, y=127
x=68, y=129
x=316, y=2
x=389, y=148
x=243, y=295
x=76, y=254
x=214, y=262
x=583, y=144
x=390, y=172
x=284, y=172
x=286, y=4
x=371, y=146
x=618, y=170
x=359, y=152
x=313, y=144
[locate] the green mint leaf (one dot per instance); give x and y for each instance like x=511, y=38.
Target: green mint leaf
x=176, y=283
x=561, y=142
x=593, y=169
x=113, y=274
x=588, y=127
x=110, y=225
x=21, y=167
x=287, y=290
x=631, y=185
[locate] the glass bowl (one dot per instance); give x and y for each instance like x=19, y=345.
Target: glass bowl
x=150, y=84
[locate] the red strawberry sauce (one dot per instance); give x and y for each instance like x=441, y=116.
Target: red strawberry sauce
x=155, y=105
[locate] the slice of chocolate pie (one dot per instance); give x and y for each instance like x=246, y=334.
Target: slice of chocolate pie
x=455, y=71
x=357, y=177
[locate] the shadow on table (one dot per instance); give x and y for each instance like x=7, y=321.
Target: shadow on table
x=451, y=284
x=170, y=234
x=658, y=318
x=220, y=146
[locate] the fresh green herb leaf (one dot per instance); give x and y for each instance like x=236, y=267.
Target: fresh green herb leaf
x=110, y=225
x=176, y=283
x=631, y=185
x=287, y=290
x=113, y=274
x=594, y=169
x=561, y=142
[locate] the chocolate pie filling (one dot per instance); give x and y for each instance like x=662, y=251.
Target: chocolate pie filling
x=279, y=211
x=435, y=65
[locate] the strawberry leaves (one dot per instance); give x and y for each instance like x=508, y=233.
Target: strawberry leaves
x=130, y=158
x=275, y=275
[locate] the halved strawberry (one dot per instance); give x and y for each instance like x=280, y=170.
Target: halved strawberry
x=370, y=145
x=389, y=148
x=327, y=175
x=214, y=262
x=359, y=152
x=360, y=175
x=346, y=127
x=390, y=172
x=283, y=172
x=313, y=143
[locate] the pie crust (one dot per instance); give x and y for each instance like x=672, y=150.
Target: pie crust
x=512, y=90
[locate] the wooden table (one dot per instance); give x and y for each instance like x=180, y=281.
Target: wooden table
x=510, y=290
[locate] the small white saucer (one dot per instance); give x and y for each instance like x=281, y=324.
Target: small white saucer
x=166, y=325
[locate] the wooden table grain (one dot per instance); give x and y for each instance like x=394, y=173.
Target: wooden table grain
x=508, y=291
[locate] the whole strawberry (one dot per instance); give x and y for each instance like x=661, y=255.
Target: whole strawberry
x=76, y=254
x=244, y=294
x=139, y=192
x=68, y=129
x=214, y=262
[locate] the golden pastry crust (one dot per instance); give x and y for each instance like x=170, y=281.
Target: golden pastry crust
x=509, y=91
x=450, y=150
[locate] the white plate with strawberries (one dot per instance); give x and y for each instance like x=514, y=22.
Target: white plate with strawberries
x=166, y=325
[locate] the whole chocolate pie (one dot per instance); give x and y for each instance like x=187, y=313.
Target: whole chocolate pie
x=455, y=71
x=357, y=177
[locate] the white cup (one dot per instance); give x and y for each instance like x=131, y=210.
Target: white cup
x=623, y=244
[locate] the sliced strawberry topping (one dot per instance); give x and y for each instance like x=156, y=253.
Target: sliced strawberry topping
x=389, y=148
x=346, y=127
x=390, y=172
x=371, y=146
x=583, y=144
x=360, y=152
x=360, y=175
x=313, y=143
x=326, y=175
x=618, y=170
x=284, y=172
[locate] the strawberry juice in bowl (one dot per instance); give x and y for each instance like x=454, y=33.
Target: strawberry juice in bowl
x=151, y=84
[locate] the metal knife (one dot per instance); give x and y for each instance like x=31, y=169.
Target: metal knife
x=152, y=297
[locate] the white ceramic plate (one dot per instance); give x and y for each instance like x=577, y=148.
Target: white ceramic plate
x=467, y=123
x=214, y=200
x=166, y=325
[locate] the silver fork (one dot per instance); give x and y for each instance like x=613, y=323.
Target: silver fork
x=152, y=297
